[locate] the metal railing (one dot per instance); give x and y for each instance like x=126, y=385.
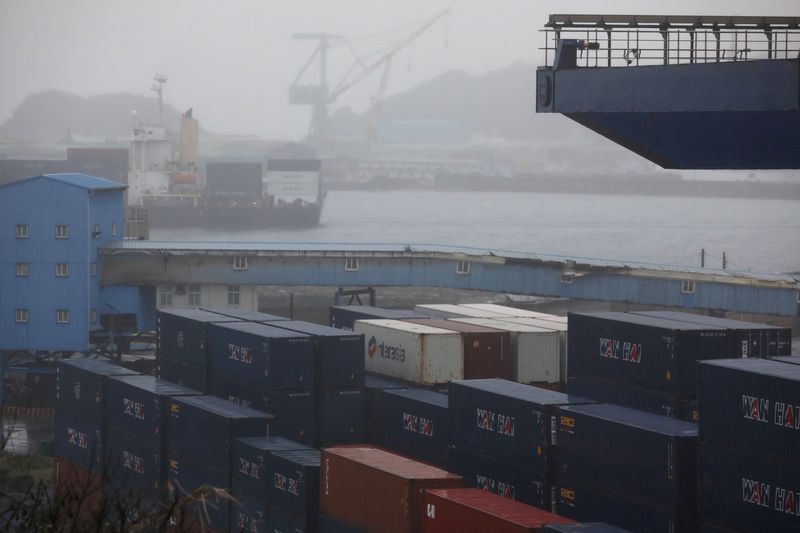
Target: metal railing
x=624, y=40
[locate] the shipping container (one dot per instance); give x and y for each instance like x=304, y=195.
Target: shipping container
x=792, y=360
x=630, y=451
x=514, y=311
x=341, y=416
x=588, y=527
x=487, y=351
x=343, y=316
x=506, y=421
x=79, y=494
x=280, y=521
x=474, y=510
x=248, y=516
x=748, y=491
x=294, y=482
x=132, y=463
x=377, y=490
x=636, y=398
x=414, y=422
x=535, y=352
x=203, y=429
x=641, y=351
x=137, y=405
x=251, y=457
x=374, y=384
x=456, y=311
x=584, y=503
x=502, y=479
x=80, y=385
x=338, y=355
x=748, y=339
x=554, y=324
x=182, y=334
x=413, y=352
x=293, y=410
x=188, y=375
x=187, y=478
x=78, y=439
x=328, y=524
x=752, y=404
x=234, y=180
x=262, y=355
x=245, y=315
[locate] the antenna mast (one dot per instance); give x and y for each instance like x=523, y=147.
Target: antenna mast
x=158, y=88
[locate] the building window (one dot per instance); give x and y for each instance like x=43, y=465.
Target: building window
x=21, y=316
x=62, y=231
x=113, y=229
x=687, y=287
x=22, y=270
x=93, y=269
x=240, y=263
x=22, y=231
x=165, y=296
x=62, y=270
x=233, y=295
x=351, y=264
x=194, y=295
x=94, y=316
x=62, y=316
x=462, y=267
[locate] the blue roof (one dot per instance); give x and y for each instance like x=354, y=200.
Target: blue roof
x=84, y=181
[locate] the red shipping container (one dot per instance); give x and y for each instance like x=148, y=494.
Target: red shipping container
x=487, y=351
x=478, y=511
x=376, y=490
x=79, y=493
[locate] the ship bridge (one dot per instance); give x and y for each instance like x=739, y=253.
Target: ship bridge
x=684, y=92
x=153, y=263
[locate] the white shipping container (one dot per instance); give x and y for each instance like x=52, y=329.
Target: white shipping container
x=536, y=352
x=514, y=312
x=413, y=352
x=456, y=311
x=561, y=327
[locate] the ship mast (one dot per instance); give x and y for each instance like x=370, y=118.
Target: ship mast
x=158, y=88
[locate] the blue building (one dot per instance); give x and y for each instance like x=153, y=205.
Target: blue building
x=50, y=229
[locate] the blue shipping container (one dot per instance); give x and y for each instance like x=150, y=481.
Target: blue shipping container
x=192, y=376
x=262, y=355
x=282, y=522
x=78, y=439
x=338, y=355
x=134, y=464
x=374, y=384
x=414, y=422
x=636, y=398
x=629, y=451
x=589, y=527
x=501, y=479
x=138, y=405
x=182, y=334
x=80, y=384
x=293, y=409
x=751, y=404
x=506, y=421
x=642, y=351
x=251, y=458
x=246, y=315
x=584, y=503
x=203, y=429
x=340, y=416
x=747, y=491
x=343, y=316
x=248, y=516
x=184, y=477
x=332, y=525
x=294, y=482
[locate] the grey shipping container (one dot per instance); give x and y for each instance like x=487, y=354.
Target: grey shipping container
x=752, y=404
x=234, y=179
x=414, y=422
x=628, y=451
x=182, y=334
x=748, y=339
x=748, y=492
x=343, y=316
x=80, y=385
x=263, y=355
x=506, y=421
x=647, y=352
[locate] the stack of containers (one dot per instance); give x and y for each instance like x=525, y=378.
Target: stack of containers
x=513, y=311
x=377, y=491
x=201, y=432
x=535, y=351
x=182, y=343
x=266, y=368
x=253, y=480
x=343, y=316
x=629, y=468
x=487, y=351
x=79, y=433
x=748, y=339
x=135, y=444
x=414, y=422
x=749, y=460
x=338, y=382
x=647, y=363
x=503, y=437
x=476, y=511
x=554, y=323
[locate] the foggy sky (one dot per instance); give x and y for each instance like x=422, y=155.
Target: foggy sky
x=233, y=60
